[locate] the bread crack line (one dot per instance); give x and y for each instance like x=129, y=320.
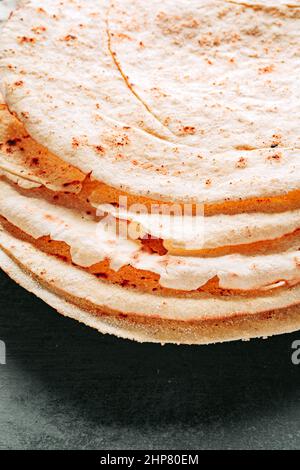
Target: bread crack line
x=262, y=6
x=148, y=109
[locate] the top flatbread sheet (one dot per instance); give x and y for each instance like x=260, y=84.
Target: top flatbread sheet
x=194, y=101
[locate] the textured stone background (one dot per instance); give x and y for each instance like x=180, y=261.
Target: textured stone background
x=67, y=387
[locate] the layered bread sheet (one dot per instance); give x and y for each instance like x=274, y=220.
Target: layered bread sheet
x=209, y=330
x=211, y=122
x=92, y=242
x=74, y=283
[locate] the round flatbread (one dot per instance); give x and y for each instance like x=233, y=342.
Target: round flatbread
x=187, y=101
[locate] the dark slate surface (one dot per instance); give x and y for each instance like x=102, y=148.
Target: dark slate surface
x=67, y=387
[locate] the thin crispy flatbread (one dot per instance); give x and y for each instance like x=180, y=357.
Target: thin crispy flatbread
x=88, y=113
x=91, y=242
x=17, y=261
x=191, y=235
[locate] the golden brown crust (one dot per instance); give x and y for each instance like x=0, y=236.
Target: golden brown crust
x=206, y=332
x=162, y=331
x=289, y=201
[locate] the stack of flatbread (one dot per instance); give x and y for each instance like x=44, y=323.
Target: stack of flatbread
x=150, y=164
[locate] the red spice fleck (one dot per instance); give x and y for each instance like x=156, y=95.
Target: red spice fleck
x=267, y=69
x=69, y=37
x=99, y=149
x=49, y=217
x=13, y=142
x=122, y=140
x=38, y=29
x=75, y=142
x=24, y=39
x=276, y=140
x=188, y=130
x=275, y=157
x=241, y=163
